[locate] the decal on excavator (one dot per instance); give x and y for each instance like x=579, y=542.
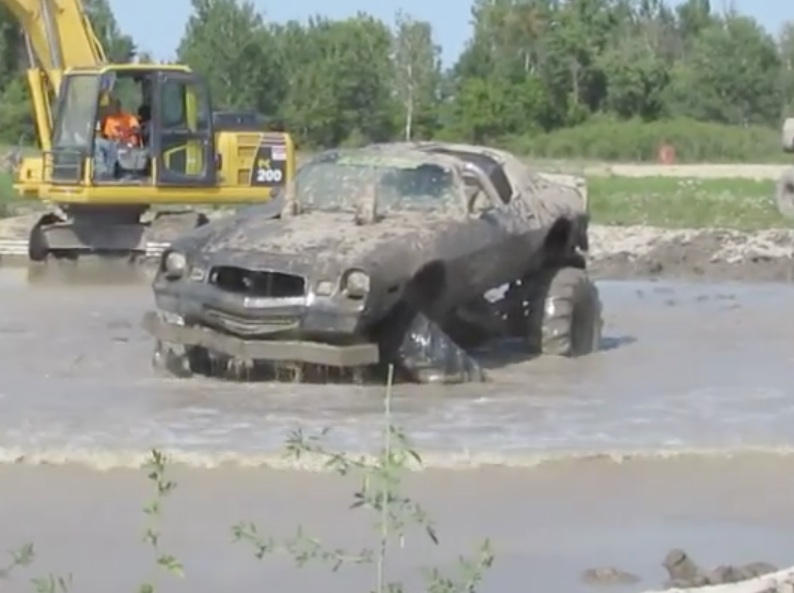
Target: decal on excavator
x=270, y=164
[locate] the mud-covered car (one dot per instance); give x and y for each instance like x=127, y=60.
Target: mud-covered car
x=387, y=254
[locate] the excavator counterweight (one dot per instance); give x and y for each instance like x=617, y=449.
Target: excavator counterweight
x=102, y=188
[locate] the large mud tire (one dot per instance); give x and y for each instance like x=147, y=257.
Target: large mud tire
x=171, y=360
x=784, y=194
x=565, y=315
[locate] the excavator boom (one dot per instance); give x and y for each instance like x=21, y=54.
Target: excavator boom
x=58, y=35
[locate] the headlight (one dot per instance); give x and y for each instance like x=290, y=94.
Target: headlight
x=356, y=284
x=174, y=264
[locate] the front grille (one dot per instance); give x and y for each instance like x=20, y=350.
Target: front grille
x=256, y=283
x=250, y=326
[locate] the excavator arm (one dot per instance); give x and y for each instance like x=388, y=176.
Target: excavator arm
x=58, y=35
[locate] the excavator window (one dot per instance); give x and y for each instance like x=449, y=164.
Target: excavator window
x=183, y=116
x=174, y=143
x=174, y=105
x=76, y=113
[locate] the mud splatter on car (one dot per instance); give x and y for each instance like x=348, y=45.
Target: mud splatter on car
x=383, y=254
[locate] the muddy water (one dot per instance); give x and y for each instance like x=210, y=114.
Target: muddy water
x=547, y=525
x=683, y=367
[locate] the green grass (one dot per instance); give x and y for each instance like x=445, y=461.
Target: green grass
x=666, y=202
x=8, y=197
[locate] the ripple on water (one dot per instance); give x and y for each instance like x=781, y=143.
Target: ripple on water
x=697, y=367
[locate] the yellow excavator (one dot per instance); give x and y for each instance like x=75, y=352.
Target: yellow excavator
x=187, y=155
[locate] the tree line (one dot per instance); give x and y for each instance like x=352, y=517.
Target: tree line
x=607, y=79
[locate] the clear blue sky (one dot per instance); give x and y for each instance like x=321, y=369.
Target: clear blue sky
x=157, y=25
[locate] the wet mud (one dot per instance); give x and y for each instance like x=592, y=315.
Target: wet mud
x=632, y=450
x=671, y=376
x=547, y=526
x=635, y=449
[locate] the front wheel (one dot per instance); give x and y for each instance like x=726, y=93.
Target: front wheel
x=565, y=314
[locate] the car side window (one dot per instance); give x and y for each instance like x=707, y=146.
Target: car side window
x=501, y=183
x=477, y=199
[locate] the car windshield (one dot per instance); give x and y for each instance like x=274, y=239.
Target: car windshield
x=399, y=183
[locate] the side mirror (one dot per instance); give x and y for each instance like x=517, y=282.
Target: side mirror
x=291, y=205
x=367, y=207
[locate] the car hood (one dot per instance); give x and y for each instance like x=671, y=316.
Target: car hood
x=329, y=239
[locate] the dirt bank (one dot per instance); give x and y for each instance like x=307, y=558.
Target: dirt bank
x=710, y=254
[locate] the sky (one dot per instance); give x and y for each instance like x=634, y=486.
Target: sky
x=160, y=34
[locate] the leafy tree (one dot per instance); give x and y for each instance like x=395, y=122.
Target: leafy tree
x=119, y=47
x=596, y=78
x=227, y=42
x=417, y=70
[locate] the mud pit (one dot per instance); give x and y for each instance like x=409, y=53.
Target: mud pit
x=688, y=374
x=76, y=380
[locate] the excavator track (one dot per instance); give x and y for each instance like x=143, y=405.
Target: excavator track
x=42, y=239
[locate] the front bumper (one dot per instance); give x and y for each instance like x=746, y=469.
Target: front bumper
x=274, y=350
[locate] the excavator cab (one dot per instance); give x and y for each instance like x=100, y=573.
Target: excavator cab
x=175, y=139
x=104, y=192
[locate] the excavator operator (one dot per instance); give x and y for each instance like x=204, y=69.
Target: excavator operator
x=116, y=129
x=120, y=126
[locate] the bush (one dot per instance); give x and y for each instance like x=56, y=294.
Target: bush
x=607, y=139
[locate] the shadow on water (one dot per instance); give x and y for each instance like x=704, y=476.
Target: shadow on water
x=616, y=342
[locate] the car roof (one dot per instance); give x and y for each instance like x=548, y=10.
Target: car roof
x=396, y=150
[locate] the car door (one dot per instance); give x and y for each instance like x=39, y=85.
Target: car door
x=486, y=258
x=183, y=139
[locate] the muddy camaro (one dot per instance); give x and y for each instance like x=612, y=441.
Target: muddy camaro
x=384, y=255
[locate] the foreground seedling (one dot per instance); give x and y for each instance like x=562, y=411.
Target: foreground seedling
x=381, y=494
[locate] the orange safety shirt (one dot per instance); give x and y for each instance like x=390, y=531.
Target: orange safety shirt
x=122, y=127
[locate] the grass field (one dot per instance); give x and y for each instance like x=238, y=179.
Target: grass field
x=669, y=202
x=665, y=202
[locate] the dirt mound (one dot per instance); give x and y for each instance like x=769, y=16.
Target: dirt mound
x=710, y=254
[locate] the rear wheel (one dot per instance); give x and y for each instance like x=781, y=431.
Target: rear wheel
x=565, y=314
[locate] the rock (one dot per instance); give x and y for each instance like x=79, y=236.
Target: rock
x=757, y=569
x=608, y=575
x=686, y=574
x=683, y=572
x=726, y=574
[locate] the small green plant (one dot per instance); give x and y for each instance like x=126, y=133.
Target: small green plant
x=52, y=584
x=20, y=558
x=23, y=557
x=380, y=493
x=163, y=562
